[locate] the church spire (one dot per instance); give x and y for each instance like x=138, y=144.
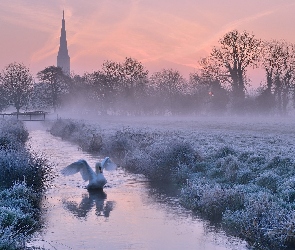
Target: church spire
x=63, y=59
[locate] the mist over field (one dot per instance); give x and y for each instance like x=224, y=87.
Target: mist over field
x=230, y=152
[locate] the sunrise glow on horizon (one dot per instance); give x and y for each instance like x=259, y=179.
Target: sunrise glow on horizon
x=160, y=34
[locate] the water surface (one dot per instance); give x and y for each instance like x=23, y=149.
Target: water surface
x=130, y=213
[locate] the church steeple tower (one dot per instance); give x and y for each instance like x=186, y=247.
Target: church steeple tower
x=63, y=59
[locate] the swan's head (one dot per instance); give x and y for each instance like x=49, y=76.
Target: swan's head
x=98, y=168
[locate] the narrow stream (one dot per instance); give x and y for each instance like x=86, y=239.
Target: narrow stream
x=129, y=214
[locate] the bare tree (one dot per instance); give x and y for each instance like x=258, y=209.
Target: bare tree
x=106, y=85
x=208, y=91
x=169, y=86
x=271, y=61
x=288, y=75
x=17, y=84
x=4, y=102
x=212, y=71
x=238, y=52
x=278, y=61
x=125, y=83
x=55, y=84
x=134, y=79
x=82, y=95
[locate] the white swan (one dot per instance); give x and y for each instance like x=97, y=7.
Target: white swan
x=96, y=179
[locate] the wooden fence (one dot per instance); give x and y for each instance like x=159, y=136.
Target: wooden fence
x=27, y=116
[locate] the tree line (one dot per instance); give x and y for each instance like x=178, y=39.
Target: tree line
x=219, y=86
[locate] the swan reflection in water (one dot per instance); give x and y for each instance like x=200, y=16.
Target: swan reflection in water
x=93, y=198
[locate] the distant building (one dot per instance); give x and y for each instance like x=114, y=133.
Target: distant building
x=63, y=58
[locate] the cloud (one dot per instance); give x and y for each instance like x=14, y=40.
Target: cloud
x=150, y=31
x=237, y=23
x=34, y=17
x=147, y=35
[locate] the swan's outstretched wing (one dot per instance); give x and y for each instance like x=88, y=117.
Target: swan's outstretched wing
x=108, y=165
x=79, y=166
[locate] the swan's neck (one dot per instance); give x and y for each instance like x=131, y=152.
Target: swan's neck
x=98, y=169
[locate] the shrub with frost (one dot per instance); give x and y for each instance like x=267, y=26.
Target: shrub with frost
x=226, y=169
x=255, y=162
x=224, y=152
x=86, y=136
x=245, y=176
x=120, y=143
x=23, y=177
x=283, y=166
x=12, y=134
x=20, y=165
x=211, y=199
x=172, y=161
x=19, y=215
x=268, y=180
x=287, y=189
x=266, y=223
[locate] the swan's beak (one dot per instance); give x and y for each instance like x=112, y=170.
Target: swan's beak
x=98, y=168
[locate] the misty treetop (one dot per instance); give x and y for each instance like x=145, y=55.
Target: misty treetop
x=16, y=86
x=219, y=86
x=53, y=85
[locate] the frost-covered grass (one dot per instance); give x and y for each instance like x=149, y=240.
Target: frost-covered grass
x=16, y=163
x=23, y=178
x=18, y=215
x=87, y=137
x=12, y=134
x=240, y=173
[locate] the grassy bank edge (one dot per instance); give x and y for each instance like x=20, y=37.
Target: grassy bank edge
x=252, y=196
x=22, y=183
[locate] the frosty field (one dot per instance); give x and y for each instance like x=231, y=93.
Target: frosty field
x=238, y=172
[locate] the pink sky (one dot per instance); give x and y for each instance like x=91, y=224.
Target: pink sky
x=158, y=33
